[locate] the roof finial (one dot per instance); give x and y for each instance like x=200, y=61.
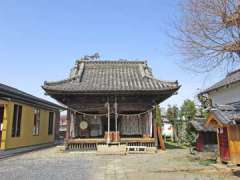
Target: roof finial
x=93, y=57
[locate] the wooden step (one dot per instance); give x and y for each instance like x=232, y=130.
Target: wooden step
x=82, y=147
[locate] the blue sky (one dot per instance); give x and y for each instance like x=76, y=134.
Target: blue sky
x=40, y=40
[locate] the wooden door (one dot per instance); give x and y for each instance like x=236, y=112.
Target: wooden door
x=1, y=122
x=200, y=142
x=234, y=143
x=223, y=144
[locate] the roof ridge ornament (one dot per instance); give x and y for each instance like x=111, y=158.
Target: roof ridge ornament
x=77, y=70
x=145, y=70
x=92, y=57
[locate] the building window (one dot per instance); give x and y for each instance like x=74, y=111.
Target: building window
x=50, y=123
x=17, y=116
x=36, y=122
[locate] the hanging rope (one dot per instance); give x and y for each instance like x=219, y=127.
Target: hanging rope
x=138, y=114
x=119, y=114
x=88, y=114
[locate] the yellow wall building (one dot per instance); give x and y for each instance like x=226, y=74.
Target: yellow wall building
x=26, y=120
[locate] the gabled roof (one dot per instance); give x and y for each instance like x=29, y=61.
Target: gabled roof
x=110, y=76
x=13, y=93
x=198, y=125
x=227, y=114
x=231, y=78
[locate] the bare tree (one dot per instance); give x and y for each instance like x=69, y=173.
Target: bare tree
x=208, y=33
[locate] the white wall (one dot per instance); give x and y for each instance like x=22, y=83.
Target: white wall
x=226, y=95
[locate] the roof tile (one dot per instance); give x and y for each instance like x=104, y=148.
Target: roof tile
x=110, y=76
x=231, y=78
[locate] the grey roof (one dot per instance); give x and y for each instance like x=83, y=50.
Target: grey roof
x=227, y=114
x=13, y=93
x=110, y=76
x=231, y=78
x=235, y=105
x=198, y=125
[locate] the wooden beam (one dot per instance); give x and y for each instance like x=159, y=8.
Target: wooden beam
x=160, y=138
x=99, y=108
x=213, y=121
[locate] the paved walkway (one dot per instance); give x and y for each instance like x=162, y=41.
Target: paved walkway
x=54, y=164
x=13, y=152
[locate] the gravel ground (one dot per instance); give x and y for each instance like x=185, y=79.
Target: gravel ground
x=54, y=164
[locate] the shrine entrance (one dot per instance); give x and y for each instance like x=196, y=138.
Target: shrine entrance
x=111, y=103
x=105, y=123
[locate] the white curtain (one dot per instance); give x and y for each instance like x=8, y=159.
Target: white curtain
x=130, y=125
x=95, y=126
x=136, y=124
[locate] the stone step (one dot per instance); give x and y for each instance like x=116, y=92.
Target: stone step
x=141, y=149
x=112, y=149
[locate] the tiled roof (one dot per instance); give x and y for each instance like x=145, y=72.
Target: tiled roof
x=13, y=93
x=231, y=78
x=110, y=76
x=198, y=124
x=227, y=114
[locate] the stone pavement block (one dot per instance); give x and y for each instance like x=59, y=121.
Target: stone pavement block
x=21, y=150
x=110, y=177
x=111, y=150
x=51, y=164
x=135, y=175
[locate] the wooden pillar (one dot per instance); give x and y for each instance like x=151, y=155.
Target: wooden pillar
x=150, y=121
x=77, y=123
x=161, y=141
x=159, y=131
x=116, y=115
x=72, y=125
x=68, y=124
x=108, y=134
x=155, y=128
x=218, y=145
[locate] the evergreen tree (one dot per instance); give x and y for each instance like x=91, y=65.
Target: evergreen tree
x=172, y=116
x=188, y=112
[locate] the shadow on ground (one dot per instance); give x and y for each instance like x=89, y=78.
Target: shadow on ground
x=236, y=173
x=171, y=145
